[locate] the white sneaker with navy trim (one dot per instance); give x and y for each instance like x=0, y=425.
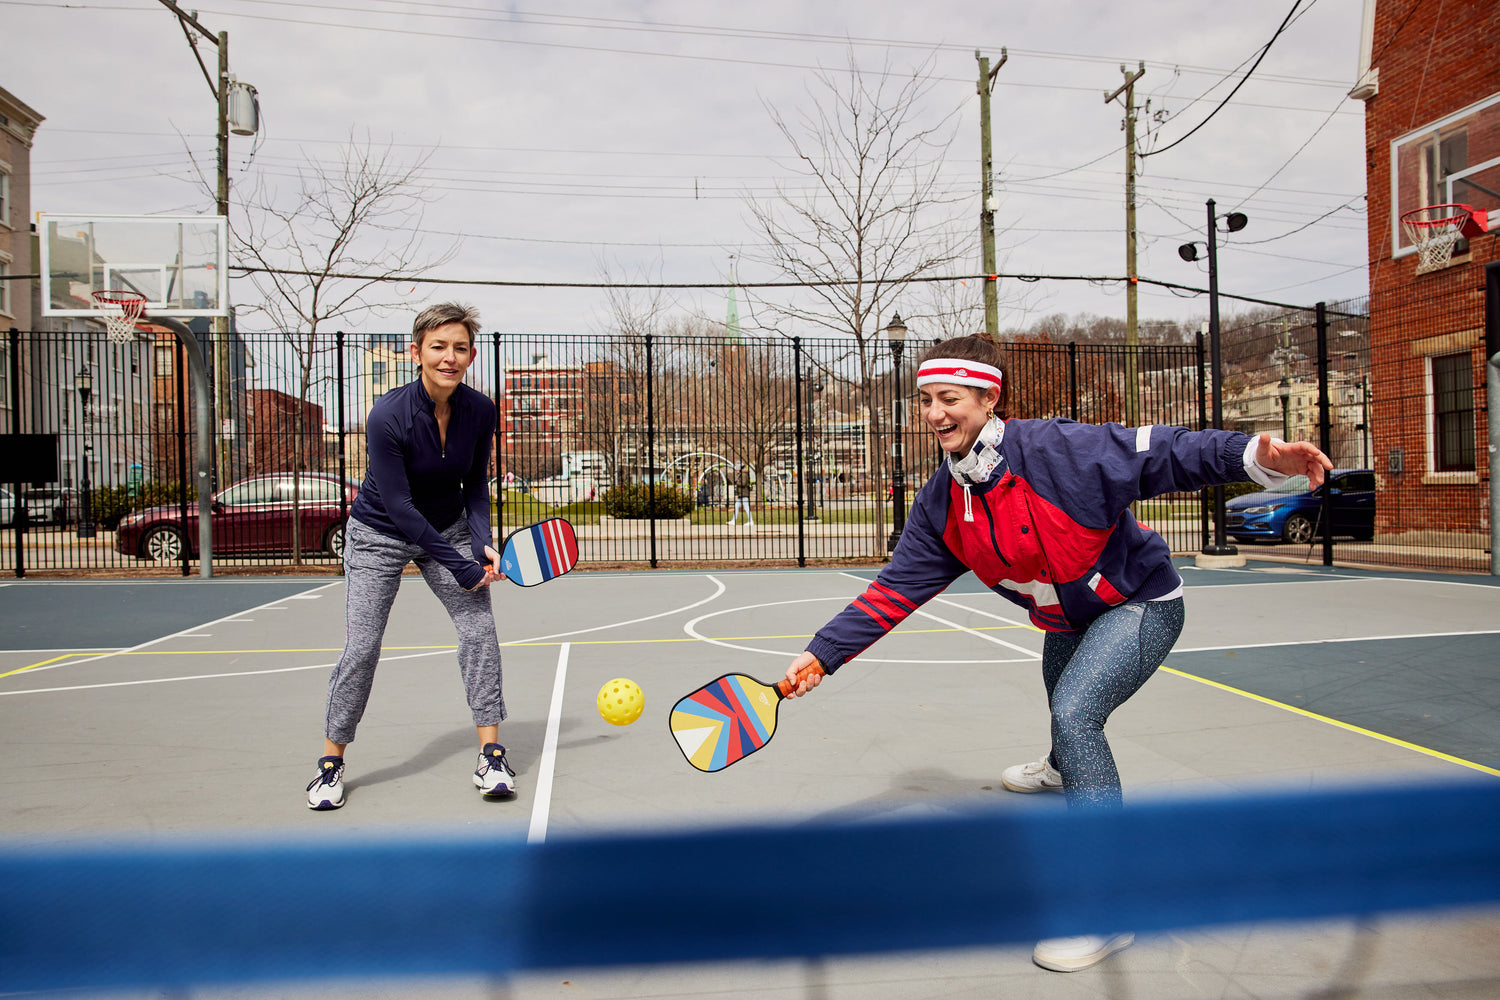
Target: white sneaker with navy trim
x=326, y=790
x=494, y=775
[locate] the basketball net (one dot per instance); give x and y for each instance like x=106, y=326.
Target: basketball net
x=120, y=312
x=1434, y=231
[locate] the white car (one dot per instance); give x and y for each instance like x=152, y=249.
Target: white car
x=7, y=508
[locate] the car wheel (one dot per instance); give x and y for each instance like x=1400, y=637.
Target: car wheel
x=162, y=544
x=334, y=543
x=1298, y=530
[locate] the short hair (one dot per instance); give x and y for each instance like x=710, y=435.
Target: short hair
x=975, y=347
x=442, y=314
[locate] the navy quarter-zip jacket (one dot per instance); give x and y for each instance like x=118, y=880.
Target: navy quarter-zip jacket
x=417, y=485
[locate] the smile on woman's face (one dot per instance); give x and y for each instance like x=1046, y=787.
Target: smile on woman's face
x=956, y=413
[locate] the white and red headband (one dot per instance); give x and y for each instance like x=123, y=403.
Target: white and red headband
x=958, y=372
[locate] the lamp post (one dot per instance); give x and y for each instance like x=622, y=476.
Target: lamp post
x=895, y=332
x=1284, y=390
x=1233, y=223
x=83, y=382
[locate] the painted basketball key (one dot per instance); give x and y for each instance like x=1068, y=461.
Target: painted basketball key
x=728, y=719
x=540, y=552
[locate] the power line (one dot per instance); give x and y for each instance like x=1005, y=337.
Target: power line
x=1250, y=72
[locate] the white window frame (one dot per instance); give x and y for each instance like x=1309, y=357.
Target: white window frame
x=1431, y=473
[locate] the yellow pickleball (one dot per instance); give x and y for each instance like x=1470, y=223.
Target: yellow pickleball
x=620, y=701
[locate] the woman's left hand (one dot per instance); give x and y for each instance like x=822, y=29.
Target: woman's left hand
x=1292, y=458
x=491, y=566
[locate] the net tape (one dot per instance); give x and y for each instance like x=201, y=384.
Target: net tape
x=407, y=905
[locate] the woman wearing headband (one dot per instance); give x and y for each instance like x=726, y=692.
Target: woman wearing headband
x=1039, y=510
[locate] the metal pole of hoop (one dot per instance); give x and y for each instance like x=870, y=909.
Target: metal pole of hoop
x=203, y=428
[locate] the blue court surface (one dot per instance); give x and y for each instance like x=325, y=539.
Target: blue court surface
x=179, y=715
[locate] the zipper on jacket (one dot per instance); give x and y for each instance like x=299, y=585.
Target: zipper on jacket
x=990, y=516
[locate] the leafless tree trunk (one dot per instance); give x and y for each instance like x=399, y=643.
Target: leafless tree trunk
x=871, y=216
x=360, y=216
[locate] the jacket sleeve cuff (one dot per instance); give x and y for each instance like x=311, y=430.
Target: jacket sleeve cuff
x=470, y=577
x=1239, y=455
x=827, y=653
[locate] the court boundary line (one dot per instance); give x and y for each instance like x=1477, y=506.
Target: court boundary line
x=1348, y=726
x=541, y=805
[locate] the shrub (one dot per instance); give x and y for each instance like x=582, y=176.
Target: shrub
x=628, y=501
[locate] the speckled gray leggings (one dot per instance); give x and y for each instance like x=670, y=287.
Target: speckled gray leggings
x=1091, y=673
x=372, y=573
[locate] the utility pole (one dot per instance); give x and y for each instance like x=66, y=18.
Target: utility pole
x=987, y=194
x=1132, y=336
x=219, y=83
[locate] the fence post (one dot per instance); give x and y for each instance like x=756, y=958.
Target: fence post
x=1325, y=429
x=651, y=448
x=338, y=340
x=17, y=522
x=801, y=465
x=1203, y=494
x=1073, y=379
x=179, y=370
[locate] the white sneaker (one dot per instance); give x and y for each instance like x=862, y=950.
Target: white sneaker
x=326, y=790
x=493, y=775
x=1038, y=776
x=1074, y=953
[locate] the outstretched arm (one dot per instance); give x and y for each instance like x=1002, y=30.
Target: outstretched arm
x=1292, y=458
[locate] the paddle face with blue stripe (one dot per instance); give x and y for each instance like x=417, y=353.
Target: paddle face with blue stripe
x=539, y=553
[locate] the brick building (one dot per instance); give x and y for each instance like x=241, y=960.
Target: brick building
x=1431, y=88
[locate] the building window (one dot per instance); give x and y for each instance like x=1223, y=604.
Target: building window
x=1453, y=413
x=165, y=360
x=4, y=282
x=5, y=198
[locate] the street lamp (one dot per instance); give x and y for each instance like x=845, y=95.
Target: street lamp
x=1233, y=223
x=83, y=382
x=895, y=332
x=1284, y=390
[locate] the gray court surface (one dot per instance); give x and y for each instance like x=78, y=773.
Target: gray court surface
x=167, y=711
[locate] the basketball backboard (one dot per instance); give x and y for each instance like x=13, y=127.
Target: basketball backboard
x=178, y=262
x=1454, y=160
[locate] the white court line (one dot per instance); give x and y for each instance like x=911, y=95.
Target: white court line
x=1315, y=642
x=186, y=633
x=315, y=666
x=542, y=806
x=214, y=677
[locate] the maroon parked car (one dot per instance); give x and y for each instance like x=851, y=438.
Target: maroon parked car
x=253, y=515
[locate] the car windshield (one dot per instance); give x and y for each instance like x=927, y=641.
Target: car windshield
x=1294, y=484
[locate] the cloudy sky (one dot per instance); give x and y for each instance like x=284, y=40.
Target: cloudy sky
x=578, y=141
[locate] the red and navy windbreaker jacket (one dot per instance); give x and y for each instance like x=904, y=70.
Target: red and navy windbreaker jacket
x=1051, y=528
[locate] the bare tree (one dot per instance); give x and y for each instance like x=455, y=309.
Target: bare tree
x=870, y=216
x=333, y=251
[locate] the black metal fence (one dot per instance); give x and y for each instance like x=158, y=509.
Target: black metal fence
x=610, y=430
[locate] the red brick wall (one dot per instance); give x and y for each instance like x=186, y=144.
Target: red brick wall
x=1433, y=60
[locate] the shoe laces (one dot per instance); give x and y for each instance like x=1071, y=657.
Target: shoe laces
x=328, y=774
x=494, y=756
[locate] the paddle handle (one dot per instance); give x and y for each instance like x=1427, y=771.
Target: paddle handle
x=787, y=685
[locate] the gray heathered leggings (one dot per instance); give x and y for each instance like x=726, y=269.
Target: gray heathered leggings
x=1091, y=673
x=372, y=571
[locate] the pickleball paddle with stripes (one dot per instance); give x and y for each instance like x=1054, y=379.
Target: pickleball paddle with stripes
x=729, y=718
x=539, y=552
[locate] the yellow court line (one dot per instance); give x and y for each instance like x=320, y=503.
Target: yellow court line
x=1335, y=722
x=33, y=666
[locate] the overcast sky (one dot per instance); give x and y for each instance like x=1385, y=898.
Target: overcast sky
x=571, y=139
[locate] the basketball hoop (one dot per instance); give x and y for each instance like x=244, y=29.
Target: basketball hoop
x=120, y=311
x=1436, y=229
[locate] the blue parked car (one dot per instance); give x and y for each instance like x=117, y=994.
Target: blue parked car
x=1291, y=512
